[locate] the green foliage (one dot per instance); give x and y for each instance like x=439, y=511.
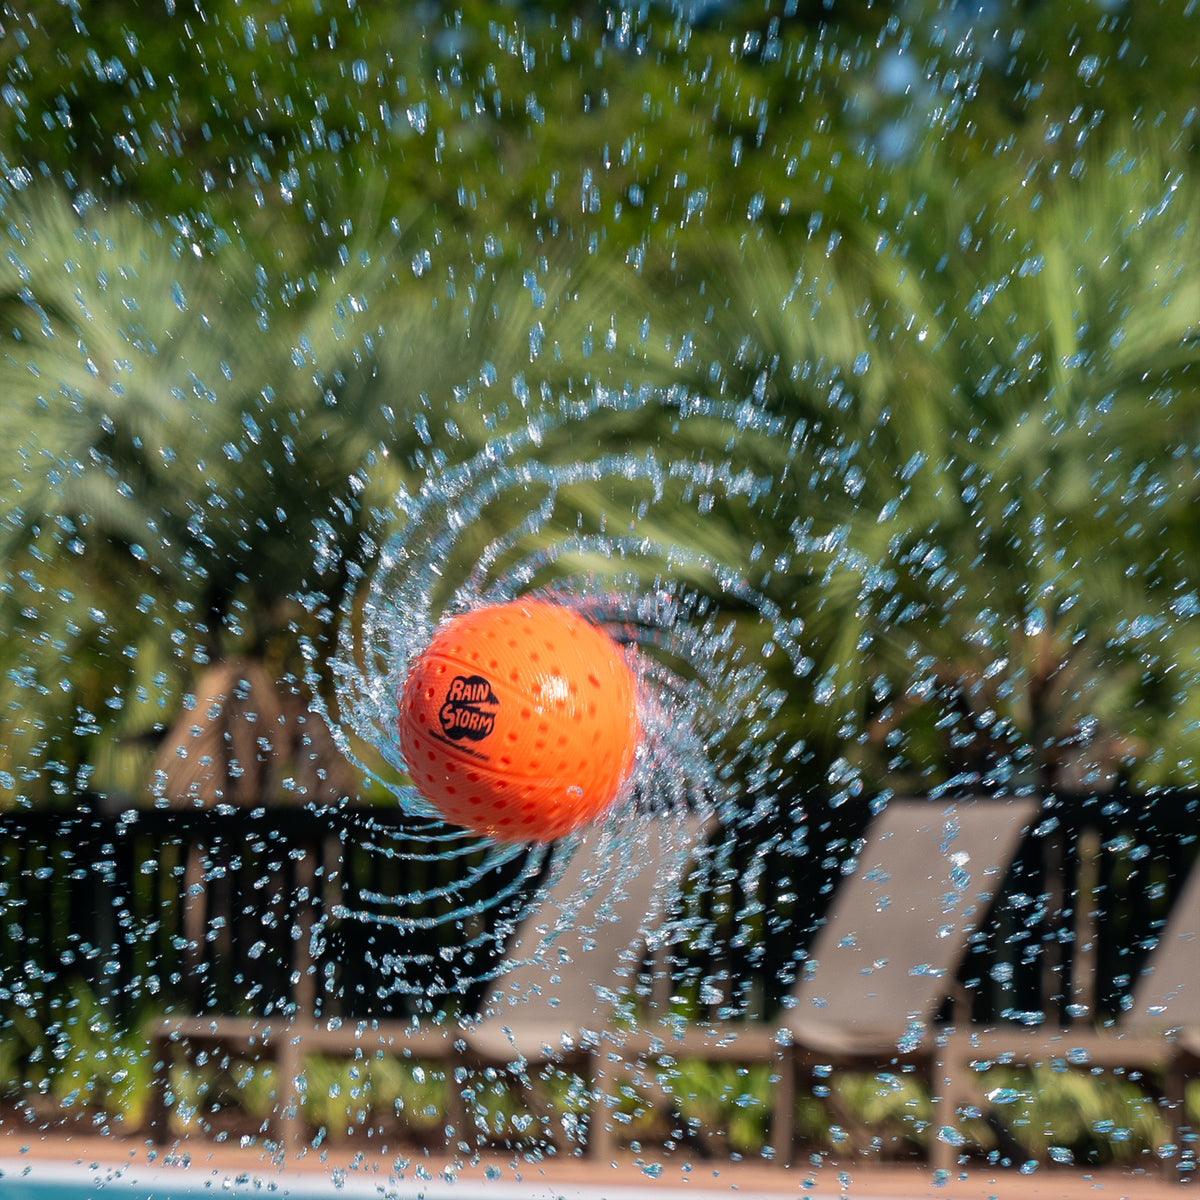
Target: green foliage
x=989, y=465
x=505, y=122
x=891, y=1112
x=341, y=1097
x=1066, y=1115
x=725, y=1107
x=171, y=451
x=206, y=1089
x=412, y=228
x=174, y=390
x=239, y=112
x=80, y=1063
x=266, y=113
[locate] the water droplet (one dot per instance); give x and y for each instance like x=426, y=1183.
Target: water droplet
x=702, y=696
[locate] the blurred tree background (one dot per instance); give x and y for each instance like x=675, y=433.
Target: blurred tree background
x=265, y=262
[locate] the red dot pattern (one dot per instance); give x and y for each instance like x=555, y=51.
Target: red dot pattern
x=555, y=728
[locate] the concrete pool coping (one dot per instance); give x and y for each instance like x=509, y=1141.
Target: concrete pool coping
x=504, y=1176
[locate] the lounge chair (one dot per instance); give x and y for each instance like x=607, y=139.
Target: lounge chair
x=584, y=944
x=1160, y=1032
x=569, y=962
x=883, y=962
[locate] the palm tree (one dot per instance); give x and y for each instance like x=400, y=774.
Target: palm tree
x=206, y=451
x=805, y=346
x=983, y=497
x=174, y=449
x=1068, y=331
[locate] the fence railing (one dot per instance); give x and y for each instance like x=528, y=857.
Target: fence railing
x=230, y=910
x=265, y=910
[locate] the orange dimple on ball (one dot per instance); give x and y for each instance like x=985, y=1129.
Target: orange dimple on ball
x=519, y=721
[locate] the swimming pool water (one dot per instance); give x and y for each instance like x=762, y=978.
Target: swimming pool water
x=22, y=1179
x=34, y=1180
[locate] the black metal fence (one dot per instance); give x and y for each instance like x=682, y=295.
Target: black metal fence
x=229, y=911
x=1082, y=907
x=256, y=911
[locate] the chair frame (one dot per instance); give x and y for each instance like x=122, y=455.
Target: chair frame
x=597, y=893
x=891, y=1025
x=1160, y=1033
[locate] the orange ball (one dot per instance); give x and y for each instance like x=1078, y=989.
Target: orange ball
x=519, y=721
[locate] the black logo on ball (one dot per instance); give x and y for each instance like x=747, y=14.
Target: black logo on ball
x=469, y=710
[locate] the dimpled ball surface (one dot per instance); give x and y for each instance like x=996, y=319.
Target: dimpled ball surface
x=519, y=721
